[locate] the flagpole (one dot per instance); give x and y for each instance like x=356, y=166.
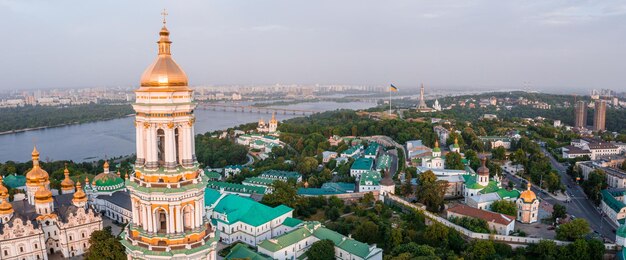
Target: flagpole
x=389, y=101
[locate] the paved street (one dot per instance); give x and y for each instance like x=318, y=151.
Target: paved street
x=580, y=206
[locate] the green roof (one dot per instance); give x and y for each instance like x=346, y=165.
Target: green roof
x=292, y=222
x=329, y=188
x=248, y=211
x=373, y=177
x=259, y=181
x=383, y=162
x=320, y=232
x=237, y=166
x=348, y=244
x=470, y=182
x=362, y=163
x=213, y=175
x=352, y=149
x=492, y=187
x=14, y=181
x=275, y=174
x=234, y=187
x=108, y=179
x=242, y=251
x=505, y=194
x=288, y=239
x=211, y=196
x=609, y=198
x=371, y=149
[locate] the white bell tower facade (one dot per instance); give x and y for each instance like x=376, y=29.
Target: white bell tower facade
x=167, y=185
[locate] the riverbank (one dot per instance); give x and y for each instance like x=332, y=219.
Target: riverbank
x=59, y=125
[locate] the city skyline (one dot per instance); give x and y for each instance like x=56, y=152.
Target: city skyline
x=552, y=47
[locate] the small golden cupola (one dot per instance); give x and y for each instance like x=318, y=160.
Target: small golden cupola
x=67, y=185
x=164, y=72
x=528, y=196
x=4, y=192
x=43, y=195
x=6, y=210
x=36, y=175
x=80, y=198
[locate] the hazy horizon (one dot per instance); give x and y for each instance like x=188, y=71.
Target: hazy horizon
x=556, y=46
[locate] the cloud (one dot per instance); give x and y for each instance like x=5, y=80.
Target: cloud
x=583, y=12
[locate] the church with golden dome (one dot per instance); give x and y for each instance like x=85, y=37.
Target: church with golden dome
x=43, y=224
x=167, y=186
x=527, y=206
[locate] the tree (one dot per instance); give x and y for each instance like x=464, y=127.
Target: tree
x=407, y=188
x=558, y=211
x=284, y=193
x=594, y=184
x=624, y=165
x=436, y=235
x=573, y=230
x=332, y=213
x=504, y=207
x=454, y=161
x=481, y=249
x=367, y=232
x=430, y=191
x=499, y=153
x=307, y=165
x=103, y=245
x=321, y=250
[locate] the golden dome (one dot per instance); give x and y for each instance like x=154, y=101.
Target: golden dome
x=36, y=174
x=5, y=207
x=164, y=72
x=105, y=165
x=4, y=192
x=67, y=183
x=528, y=196
x=79, y=195
x=43, y=195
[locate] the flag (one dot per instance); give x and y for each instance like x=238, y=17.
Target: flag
x=393, y=88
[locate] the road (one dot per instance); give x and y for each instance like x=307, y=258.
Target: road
x=580, y=206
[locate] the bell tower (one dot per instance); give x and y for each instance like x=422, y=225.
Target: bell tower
x=167, y=185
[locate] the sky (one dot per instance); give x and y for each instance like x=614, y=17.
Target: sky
x=555, y=45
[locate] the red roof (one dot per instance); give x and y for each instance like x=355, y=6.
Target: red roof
x=482, y=214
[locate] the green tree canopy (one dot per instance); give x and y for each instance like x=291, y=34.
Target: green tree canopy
x=103, y=245
x=454, y=161
x=504, y=207
x=573, y=230
x=430, y=191
x=321, y=250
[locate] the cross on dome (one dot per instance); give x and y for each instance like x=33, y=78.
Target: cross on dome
x=164, y=13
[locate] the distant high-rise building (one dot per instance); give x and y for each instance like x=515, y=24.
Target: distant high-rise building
x=599, y=118
x=580, y=114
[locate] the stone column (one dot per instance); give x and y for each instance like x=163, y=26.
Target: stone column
x=134, y=215
x=170, y=148
x=144, y=217
x=150, y=223
x=178, y=219
x=139, y=135
x=193, y=143
x=171, y=220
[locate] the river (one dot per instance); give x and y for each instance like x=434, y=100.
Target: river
x=97, y=140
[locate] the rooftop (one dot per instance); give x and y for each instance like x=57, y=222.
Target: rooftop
x=234, y=187
x=608, y=196
x=482, y=214
x=248, y=211
x=362, y=163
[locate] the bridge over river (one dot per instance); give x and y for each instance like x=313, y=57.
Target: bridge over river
x=254, y=109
